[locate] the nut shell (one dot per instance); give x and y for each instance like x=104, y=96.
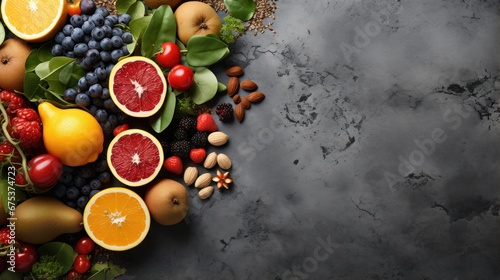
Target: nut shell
x=206, y=192
x=224, y=161
x=203, y=180
x=245, y=102
x=235, y=71
x=218, y=138
x=256, y=96
x=233, y=85
x=190, y=175
x=210, y=160
x=248, y=85
x=239, y=112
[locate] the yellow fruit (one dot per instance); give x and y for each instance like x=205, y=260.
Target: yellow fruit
x=153, y=4
x=116, y=219
x=72, y=135
x=167, y=201
x=196, y=18
x=13, y=55
x=34, y=20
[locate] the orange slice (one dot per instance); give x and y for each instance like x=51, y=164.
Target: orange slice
x=116, y=219
x=34, y=20
x=137, y=86
x=135, y=157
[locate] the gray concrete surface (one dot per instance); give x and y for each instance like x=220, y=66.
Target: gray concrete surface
x=374, y=156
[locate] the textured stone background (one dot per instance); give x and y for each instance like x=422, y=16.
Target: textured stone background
x=374, y=156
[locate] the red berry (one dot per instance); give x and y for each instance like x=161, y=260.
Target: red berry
x=84, y=246
x=12, y=101
x=205, y=123
x=5, y=237
x=9, y=152
x=174, y=164
x=20, y=179
x=26, y=126
x=120, y=128
x=197, y=155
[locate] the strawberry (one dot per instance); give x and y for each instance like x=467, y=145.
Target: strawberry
x=120, y=128
x=26, y=126
x=12, y=101
x=174, y=164
x=205, y=123
x=197, y=155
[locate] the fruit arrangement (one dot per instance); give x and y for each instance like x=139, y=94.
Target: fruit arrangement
x=106, y=123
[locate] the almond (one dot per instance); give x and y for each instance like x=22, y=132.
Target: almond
x=206, y=192
x=190, y=175
x=245, y=102
x=239, y=112
x=210, y=160
x=218, y=138
x=248, y=85
x=236, y=98
x=203, y=180
x=234, y=71
x=224, y=161
x=256, y=96
x=232, y=86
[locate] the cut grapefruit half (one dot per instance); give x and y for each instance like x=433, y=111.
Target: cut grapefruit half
x=116, y=219
x=137, y=86
x=135, y=157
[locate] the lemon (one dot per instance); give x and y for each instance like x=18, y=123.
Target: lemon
x=72, y=135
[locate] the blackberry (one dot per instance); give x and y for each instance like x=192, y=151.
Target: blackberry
x=180, y=134
x=225, y=112
x=188, y=124
x=180, y=148
x=199, y=139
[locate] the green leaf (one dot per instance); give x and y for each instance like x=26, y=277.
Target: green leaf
x=137, y=28
x=32, y=87
x=205, y=50
x=221, y=87
x=162, y=119
x=162, y=28
x=65, y=255
x=205, y=86
x=241, y=9
x=7, y=191
x=32, y=61
x=105, y=271
x=136, y=10
x=8, y=275
x=122, y=6
x=45, y=52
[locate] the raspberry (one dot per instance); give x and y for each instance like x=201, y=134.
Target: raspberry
x=225, y=112
x=12, y=101
x=26, y=126
x=199, y=139
x=180, y=148
x=188, y=124
x=9, y=153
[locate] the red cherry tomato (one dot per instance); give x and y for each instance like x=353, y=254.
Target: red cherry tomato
x=180, y=77
x=84, y=246
x=169, y=55
x=74, y=8
x=73, y=275
x=25, y=257
x=81, y=264
x=44, y=170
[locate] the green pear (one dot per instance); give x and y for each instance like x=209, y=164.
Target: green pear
x=41, y=219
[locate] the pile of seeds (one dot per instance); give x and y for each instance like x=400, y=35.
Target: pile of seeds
x=262, y=19
x=109, y=4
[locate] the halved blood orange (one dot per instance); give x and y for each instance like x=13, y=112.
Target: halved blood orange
x=135, y=157
x=116, y=218
x=137, y=86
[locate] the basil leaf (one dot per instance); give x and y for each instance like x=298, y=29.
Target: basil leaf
x=122, y=6
x=205, y=86
x=205, y=50
x=64, y=253
x=162, y=119
x=241, y=9
x=162, y=28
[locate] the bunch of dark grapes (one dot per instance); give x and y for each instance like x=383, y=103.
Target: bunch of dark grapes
x=78, y=184
x=96, y=39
